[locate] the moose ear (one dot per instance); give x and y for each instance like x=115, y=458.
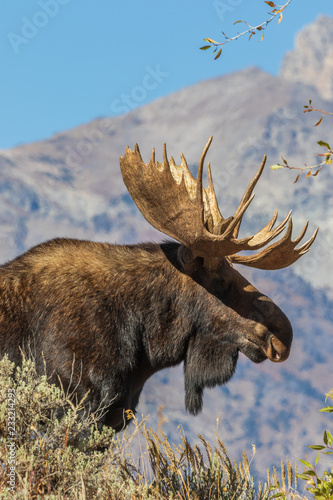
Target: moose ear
x=185, y=256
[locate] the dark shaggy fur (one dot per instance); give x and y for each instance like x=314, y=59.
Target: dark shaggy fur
x=121, y=313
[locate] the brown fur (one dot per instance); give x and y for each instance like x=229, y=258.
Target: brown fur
x=121, y=313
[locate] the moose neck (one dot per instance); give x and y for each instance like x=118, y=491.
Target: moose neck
x=181, y=309
x=184, y=312
x=187, y=322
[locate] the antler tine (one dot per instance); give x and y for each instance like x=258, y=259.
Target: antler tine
x=184, y=161
x=306, y=246
x=273, y=220
x=165, y=157
x=213, y=205
x=247, y=194
x=210, y=179
x=200, y=170
x=136, y=150
x=302, y=233
x=237, y=218
x=152, y=158
x=280, y=254
x=267, y=234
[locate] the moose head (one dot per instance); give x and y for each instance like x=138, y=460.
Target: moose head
x=178, y=205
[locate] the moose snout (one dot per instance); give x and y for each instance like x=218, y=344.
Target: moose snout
x=276, y=350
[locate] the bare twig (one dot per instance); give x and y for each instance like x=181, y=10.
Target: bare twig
x=312, y=170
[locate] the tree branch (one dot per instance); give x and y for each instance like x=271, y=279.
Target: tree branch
x=277, y=10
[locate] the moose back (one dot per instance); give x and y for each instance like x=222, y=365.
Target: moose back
x=104, y=318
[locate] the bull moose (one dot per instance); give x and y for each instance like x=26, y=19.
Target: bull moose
x=106, y=317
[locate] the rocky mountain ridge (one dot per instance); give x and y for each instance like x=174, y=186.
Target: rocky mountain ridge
x=311, y=62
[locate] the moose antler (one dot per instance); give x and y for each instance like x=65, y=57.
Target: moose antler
x=175, y=203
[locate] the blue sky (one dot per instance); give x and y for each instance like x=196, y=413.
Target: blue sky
x=66, y=62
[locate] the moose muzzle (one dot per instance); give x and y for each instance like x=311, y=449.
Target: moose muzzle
x=276, y=350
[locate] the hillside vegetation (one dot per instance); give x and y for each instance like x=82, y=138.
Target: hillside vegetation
x=43, y=455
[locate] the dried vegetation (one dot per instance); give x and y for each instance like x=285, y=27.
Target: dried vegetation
x=63, y=454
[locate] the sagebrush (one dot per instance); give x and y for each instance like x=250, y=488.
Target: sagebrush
x=64, y=455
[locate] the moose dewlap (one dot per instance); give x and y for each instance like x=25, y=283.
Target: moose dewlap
x=103, y=318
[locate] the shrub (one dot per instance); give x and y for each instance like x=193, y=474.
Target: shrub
x=51, y=447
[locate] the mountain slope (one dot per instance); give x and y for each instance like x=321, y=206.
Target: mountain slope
x=311, y=62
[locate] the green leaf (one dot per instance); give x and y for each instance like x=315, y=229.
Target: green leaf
x=303, y=476
x=317, y=459
x=218, y=54
x=307, y=464
x=325, y=144
x=310, y=473
x=319, y=122
x=284, y=161
x=210, y=40
x=205, y=47
x=277, y=495
x=327, y=409
x=317, y=447
x=276, y=167
x=330, y=438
